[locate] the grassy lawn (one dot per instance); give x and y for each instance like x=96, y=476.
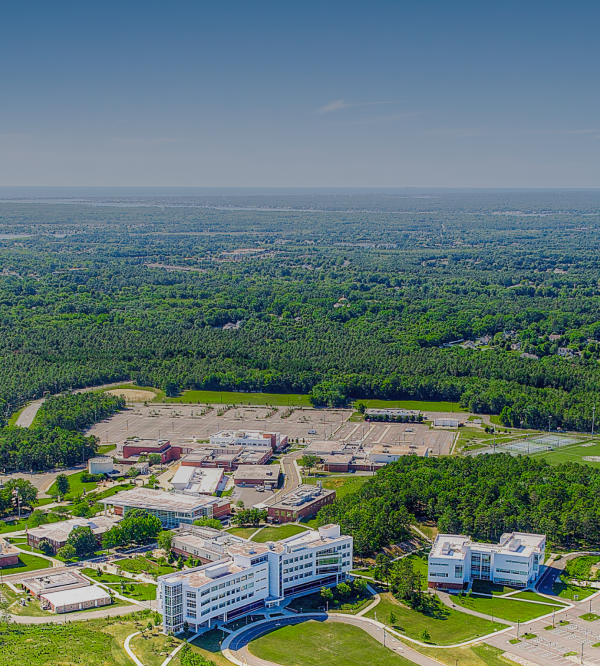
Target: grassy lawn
x=243, y=532
x=315, y=602
x=75, y=484
x=159, y=395
x=140, y=564
x=504, y=608
x=131, y=589
x=278, y=533
x=343, y=485
x=105, y=448
x=477, y=655
x=421, y=405
x=316, y=643
x=152, y=648
x=27, y=563
x=569, y=592
x=533, y=596
x=209, y=646
x=93, y=643
x=14, y=417
x=429, y=530
x=240, y=398
x=581, y=567
x=446, y=627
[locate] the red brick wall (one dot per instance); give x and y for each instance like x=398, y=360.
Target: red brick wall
x=9, y=561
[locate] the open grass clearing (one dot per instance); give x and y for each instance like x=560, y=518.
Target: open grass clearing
x=571, y=592
x=420, y=405
x=125, y=586
x=152, y=648
x=533, y=596
x=343, y=485
x=93, y=642
x=76, y=485
x=241, y=398
x=140, y=564
x=445, y=628
x=317, y=643
x=504, y=608
x=243, y=532
x=209, y=646
x=278, y=533
x=476, y=655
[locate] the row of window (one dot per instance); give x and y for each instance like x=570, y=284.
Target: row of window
x=306, y=574
x=308, y=565
x=222, y=595
x=221, y=586
x=223, y=605
x=514, y=573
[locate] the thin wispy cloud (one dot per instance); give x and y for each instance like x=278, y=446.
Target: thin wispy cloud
x=340, y=104
x=385, y=119
x=156, y=141
x=458, y=132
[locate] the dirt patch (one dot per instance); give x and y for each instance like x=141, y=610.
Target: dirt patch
x=591, y=458
x=135, y=395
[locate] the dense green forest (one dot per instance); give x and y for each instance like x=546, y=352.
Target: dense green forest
x=343, y=297
x=55, y=438
x=480, y=497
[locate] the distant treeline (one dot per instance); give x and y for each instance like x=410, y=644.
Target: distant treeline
x=55, y=438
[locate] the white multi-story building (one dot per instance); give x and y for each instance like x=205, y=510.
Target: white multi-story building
x=250, y=439
x=516, y=561
x=253, y=576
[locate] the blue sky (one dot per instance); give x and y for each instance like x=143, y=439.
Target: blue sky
x=307, y=94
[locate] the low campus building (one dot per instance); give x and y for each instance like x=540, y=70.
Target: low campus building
x=198, y=480
x=172, y=508
x=9, y=555
x=456, y=560
x=59, y=582
x=253, y=576
x=302, y=502
x=203, y=543
x=130, y=450
x=58, y=533
x=225, y=458
x=252, y=439
x=257, y=475
x=78, y=599
x=384, y=453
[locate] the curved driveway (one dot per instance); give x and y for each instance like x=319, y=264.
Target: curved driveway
x=235, y=647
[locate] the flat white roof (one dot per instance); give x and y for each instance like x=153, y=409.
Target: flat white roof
x=264, y=472
x=197, y=479
x=76, y=596
x=146, y=498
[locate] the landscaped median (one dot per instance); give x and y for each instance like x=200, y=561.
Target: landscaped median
x=136, y=590
x=506, y=608
x=445, y=627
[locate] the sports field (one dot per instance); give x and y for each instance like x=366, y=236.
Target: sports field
x=241, y=398
x=420, y=405
x=586, y=453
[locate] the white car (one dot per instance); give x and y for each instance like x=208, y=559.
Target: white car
x=312, y=432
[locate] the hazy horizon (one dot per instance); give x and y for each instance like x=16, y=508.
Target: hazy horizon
x=336, y=95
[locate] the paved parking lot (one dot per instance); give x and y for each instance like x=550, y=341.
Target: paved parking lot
x=183, y=422
x=397, y=433
x=551, y=645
